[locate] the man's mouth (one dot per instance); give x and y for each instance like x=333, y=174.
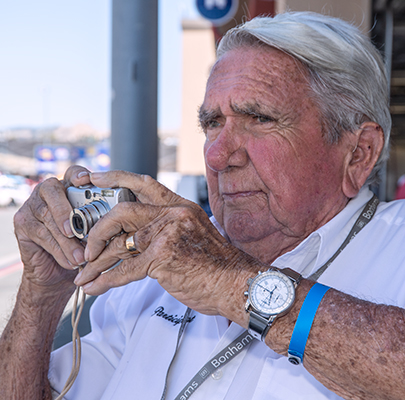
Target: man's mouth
x=239, y=195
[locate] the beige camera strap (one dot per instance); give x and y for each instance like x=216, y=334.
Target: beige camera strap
x=76, y=343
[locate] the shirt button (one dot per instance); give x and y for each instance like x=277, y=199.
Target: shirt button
x=217, y=374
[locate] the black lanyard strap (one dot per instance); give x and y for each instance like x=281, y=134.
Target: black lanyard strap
x=182, y=328
x=364, y=218
x=222, y=358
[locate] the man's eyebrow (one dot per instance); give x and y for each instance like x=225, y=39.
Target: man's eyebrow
x=255, y=109
x=205, y=115
x=248, y=109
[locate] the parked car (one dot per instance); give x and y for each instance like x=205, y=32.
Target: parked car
x=14, y=190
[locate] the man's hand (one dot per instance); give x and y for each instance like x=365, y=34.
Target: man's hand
x=49, y=254
x=48, y=250
x=179, y=247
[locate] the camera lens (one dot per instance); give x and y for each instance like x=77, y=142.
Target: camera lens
x=82, y=219
x=77, y=223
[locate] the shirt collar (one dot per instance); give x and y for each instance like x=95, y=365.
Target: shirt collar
x=320, y=245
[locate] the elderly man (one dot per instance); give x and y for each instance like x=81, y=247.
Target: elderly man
x=297, y=125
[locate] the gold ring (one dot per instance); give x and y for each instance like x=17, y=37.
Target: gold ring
x=130, y=245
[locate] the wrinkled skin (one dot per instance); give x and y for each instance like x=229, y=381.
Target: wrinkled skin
x=178, y=243
x=179, y=246
x=272, y=180
x=268, y=165
x=48, y=250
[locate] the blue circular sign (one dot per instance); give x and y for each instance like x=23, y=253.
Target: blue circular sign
x=219, y=12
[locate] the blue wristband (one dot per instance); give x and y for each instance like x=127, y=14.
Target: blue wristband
x=304, y=322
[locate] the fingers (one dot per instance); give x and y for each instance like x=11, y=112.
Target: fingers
x=76, y=175
x=54, y=212
x=127, y=217
x=29, y=230
x=52, y=204
x=115, y=252
x=53, y=193
x=125, y=272
x=143, y=186
x=46, y=216
x=162, y=221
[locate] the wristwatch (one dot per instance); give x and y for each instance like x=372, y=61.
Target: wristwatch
x=270, y=295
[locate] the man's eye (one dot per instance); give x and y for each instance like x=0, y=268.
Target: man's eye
x=262, y=119
x=212, y=124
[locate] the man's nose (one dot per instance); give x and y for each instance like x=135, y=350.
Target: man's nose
x=226, y=150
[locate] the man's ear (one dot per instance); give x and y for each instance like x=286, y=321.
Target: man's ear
x=361, y=161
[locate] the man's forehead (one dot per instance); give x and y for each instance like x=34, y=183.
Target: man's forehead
x=260, y=69
x=260, y=75
x=263, y=59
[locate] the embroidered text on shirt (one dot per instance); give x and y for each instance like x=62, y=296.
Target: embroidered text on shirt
x=175, y=319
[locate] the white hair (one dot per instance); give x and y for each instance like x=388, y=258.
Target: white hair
x=347, y=74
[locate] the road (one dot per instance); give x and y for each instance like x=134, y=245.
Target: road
x=10, y=264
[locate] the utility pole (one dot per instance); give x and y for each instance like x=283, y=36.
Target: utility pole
x=389, y=36
x=134, y=139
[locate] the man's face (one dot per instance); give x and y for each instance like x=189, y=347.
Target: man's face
x=271, y=175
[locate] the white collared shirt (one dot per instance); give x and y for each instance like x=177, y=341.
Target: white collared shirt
x=134, y=328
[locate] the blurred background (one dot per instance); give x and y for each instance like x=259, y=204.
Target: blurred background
x=117, y=84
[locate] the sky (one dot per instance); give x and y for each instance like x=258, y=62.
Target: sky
x=55, y=66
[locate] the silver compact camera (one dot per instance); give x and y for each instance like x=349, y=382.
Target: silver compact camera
x=90, y=203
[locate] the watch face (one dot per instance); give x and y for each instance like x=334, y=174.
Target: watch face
x=271, y=293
